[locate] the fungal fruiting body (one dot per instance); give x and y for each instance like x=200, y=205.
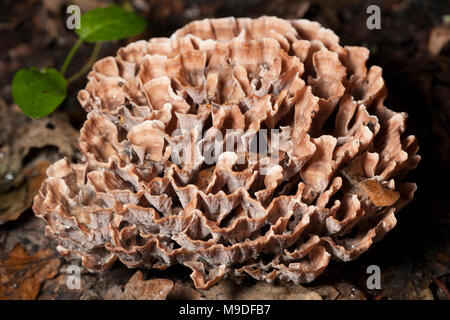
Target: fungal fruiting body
x=170, y=175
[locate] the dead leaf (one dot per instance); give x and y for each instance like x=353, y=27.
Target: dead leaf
x=106, y=285
x=138, y=289
x=21, y=136
x=348, y=291
x=404, y=282
x=439, y=37
x=154, y=289
x=443, y=257
x=204, y=177
x=184, y=291
x=27, y=147
x=374, y=190
x=21, y=275
x=229, y=290
x=379, y=194
x=327, y=292
x=14, y=203
x=57, y=289
x=442, y=288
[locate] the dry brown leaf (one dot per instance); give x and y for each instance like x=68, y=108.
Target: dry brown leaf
x=439, y=37
x=443, y=257
x=378, y=194
x=23, y=138
x=229, y=290
x=27, y=147
x=184, y=291
x=327, y=292
x=138, y=289
x=405, y=282
x=348, y=291
x=264, y=290
x=204, y=177
x=154, y=289
x=57, y=289
x=21, y=275
x=14, y=203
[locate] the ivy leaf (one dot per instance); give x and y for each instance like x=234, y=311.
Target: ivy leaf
x=110, y=23
x=38, y=92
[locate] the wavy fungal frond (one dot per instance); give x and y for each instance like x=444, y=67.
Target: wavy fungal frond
x=171, y=175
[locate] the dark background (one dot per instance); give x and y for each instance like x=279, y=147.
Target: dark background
x=414, y=258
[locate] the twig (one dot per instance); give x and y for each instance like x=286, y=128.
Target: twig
x=70, y=56
x=88, y=64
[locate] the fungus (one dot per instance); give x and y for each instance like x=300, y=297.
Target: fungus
x=171, y=174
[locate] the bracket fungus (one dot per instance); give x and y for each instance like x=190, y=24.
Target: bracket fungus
x=148, y=194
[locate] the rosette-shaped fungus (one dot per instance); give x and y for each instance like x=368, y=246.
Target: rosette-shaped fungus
x=170, y=173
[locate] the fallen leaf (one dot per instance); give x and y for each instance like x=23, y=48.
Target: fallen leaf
x=414, y=292
x=21, y=275
x=229, y=290
x=204, y=177
x=439, y=37
x=138, y=289
x=327, y=292
x=379, y=194
x=92, y=286
x=22, y=138
x=27, y=147
x=405, y=282
x=57, y=289
x=442, y=288
x=443, y=257
x=14, y=203
x=184, y=291
x=348, y=291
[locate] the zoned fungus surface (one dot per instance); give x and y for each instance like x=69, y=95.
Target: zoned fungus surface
x=170, y=173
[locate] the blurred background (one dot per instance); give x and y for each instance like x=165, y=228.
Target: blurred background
x=412, y=47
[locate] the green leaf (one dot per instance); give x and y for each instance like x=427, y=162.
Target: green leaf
x=38, y=92
x=111, y=23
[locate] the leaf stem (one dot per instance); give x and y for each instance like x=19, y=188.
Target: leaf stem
x=70, y=55
x=87, y=65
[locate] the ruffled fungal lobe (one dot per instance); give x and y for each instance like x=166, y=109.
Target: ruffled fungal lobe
x=159, y=184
